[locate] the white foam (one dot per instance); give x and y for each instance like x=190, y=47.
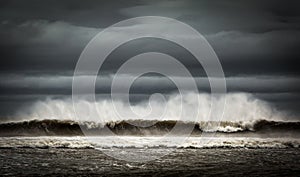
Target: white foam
x=239, y=107
x=105, y=142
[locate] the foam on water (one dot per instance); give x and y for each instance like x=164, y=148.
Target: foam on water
x=145, y=142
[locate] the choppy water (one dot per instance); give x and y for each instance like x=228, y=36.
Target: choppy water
x=107, y=142
x=183, y=162
x=73, y=156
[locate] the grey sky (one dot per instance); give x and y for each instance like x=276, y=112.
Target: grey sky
x=257, y=43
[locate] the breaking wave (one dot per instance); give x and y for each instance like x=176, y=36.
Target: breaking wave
x=138, y=128
x=144, y=142
x=238, y=107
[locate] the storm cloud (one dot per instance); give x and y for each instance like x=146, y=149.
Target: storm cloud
x=256, y=42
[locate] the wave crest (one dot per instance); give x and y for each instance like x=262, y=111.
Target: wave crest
x=72, y=128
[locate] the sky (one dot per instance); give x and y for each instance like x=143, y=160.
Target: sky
x=257, y=43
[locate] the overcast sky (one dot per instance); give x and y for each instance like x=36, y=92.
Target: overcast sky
x=256, y=41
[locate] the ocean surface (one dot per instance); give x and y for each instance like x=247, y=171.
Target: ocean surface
x=58, y=148
x=78, y=156
x=181, y=162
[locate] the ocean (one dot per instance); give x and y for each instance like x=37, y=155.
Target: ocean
x=59, y=148
x=225, y=161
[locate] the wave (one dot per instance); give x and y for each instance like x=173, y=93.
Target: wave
x=144, y=142
x=238, y=107
x=141, y=127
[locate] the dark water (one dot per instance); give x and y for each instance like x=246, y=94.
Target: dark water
x=181, y=162
x=142, y=127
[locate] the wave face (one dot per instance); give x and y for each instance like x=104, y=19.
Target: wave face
x=138, y=128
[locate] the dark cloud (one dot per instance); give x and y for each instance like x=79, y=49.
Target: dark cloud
x=49, y=37
x=41, y=42
x=89, y=13
x=42, y=46
x=50, y=85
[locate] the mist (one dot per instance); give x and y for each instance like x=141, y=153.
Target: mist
x=238, y=107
